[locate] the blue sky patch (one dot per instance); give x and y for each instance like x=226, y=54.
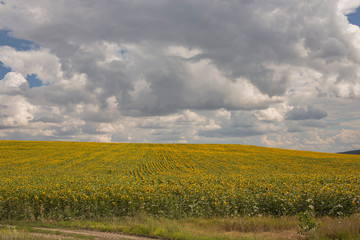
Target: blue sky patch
x=33, y=81
x=3, y=70
x=18, y=44
x=354, y=18
x=123, y=51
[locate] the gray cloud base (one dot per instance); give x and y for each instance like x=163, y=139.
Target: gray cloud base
x=305, y=113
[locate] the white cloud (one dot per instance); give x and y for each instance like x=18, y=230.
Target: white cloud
x=15, y=112
x=211, y=126
x=348, y=136
x=13, y=79
x=275, y=113
x=222, y=113
x=40, y=62
x=183, y=52
x=348, y=6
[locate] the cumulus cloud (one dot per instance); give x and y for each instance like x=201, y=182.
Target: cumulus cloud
x=12, y=80
x=15, y=110
x=41, y=62
x=180, y=71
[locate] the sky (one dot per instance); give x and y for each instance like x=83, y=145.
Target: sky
x=274, y=73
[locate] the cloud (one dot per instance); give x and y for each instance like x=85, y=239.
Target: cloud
x=15, y=112
x=238, y=45
x=40, y=62
x=348, y=6
x=310, y=112
x=13, y=80
x=180, y=71
x=241, y=124
x=237, y=132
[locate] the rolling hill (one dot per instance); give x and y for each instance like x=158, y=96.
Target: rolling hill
x=355, y=152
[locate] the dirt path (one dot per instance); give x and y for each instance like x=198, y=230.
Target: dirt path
x=59, y=233
x=76, y=234
x=69, y=234
x=49, y=236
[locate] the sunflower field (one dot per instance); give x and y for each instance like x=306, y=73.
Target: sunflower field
x=64, y=180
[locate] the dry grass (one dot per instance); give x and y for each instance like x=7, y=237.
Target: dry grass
x=245, y=227
x=258, y=224
x=338, y=228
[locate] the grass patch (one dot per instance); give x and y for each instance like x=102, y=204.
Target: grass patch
x=246, y=228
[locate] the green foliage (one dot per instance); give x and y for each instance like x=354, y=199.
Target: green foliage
x=307, y=222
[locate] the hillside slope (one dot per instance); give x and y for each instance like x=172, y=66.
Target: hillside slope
x=354, y=152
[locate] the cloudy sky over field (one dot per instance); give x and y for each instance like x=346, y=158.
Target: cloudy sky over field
x=276, y=73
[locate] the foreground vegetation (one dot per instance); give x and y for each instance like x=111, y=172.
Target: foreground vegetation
x=65, y=180
x=245, y=228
